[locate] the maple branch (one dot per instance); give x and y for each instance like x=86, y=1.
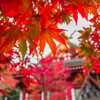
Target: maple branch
x=77, y=98
x=83, y=85
x=72, y=34
x=94, y=81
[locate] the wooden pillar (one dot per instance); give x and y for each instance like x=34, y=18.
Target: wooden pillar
x=5, y=98
x=24, y=96
x=48, y=95
x=66, y=97
x=42, y=95
x=73, y=93
x=20, y=96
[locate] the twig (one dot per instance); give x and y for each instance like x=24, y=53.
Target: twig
x=72, y=34
x=94, y=81
x=83, y=85
x=77, y=98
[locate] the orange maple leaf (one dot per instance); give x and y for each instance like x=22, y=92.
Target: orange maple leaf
x=49, y=31
x=79, y=78
x=47, y=36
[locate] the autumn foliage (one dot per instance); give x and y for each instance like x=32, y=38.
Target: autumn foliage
x=27, y=25
x=36, y=21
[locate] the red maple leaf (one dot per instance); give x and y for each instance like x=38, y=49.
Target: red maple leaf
x=49, y=31
x=2, y=91
x=54, y=2
x=96, y=66
x=15, y=7
x=75, y=8
x=10, y=7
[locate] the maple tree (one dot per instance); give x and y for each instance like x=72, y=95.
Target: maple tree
x=49, y=80
x=30, y=24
